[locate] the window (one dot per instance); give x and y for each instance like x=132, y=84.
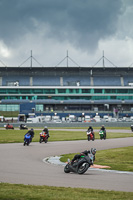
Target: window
x=25, y=91
x=2, y=91
x=110, y=91
x=4, y=107
x=98, y=91
x=38, y=91
x=39, y=107
x=123, y=91
x=85, y=90
x=61, y=91
x=12, y=91
x=49, y=91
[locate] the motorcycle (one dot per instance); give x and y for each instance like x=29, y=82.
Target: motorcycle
x=8, y=126
x=90, y=135
x=81, y=165
x=27, y=139
x=102, y=134
x=22, y=126
x=43, y=137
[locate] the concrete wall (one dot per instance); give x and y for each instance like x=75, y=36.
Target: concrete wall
x=75, y=124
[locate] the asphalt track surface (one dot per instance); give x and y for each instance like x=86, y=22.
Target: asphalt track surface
x=24, y=165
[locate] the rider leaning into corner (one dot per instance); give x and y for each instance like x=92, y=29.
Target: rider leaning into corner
x=31, y=132
x=77, y=156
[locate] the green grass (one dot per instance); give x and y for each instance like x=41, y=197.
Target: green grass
x=116, y=135
x=118, y=159
x=9, y=113
x=30, y=192
x=13, y=136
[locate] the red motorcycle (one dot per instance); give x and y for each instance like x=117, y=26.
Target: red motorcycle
x=43, y=137
x=90, y=135
x=8, y=126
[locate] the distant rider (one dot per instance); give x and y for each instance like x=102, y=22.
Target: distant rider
x=91, y=129
x=104, y=130
x=46, y=131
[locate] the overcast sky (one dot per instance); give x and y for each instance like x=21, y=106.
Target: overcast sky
x=85, y=29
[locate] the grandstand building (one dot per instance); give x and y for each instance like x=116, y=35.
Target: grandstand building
x=67, y=89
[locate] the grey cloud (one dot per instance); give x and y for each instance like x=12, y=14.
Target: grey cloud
x=82, y=22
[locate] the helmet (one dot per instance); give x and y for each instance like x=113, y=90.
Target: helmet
x=32, y=129
x=93, y=151
x=90, y=127
x=102, y=125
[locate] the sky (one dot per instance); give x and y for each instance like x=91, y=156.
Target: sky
x=81, y=33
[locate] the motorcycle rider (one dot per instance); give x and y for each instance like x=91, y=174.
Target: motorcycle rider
x=91, y=129
x=23, y=126
x=46, y=131
x=104, y=130
x=77, y=156
x=31, y=132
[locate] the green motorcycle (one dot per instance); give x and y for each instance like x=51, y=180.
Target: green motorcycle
x=102, y=134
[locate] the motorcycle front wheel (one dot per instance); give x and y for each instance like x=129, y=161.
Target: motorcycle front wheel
x=83, y=168
x=66, y=169
x=46, y=140
x=88, y=138
x=40, y=140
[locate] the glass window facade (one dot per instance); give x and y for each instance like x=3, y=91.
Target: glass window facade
x=39, y=107
x=66, y=93
x=7, y=107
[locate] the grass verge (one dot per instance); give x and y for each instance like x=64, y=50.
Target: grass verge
x=118, y=159
x=22, y=192
x=13, y=136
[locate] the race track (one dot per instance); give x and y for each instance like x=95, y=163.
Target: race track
x=24, y=165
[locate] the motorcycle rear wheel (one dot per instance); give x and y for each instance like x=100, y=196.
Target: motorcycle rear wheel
x=83, y=168
x=66, y=169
